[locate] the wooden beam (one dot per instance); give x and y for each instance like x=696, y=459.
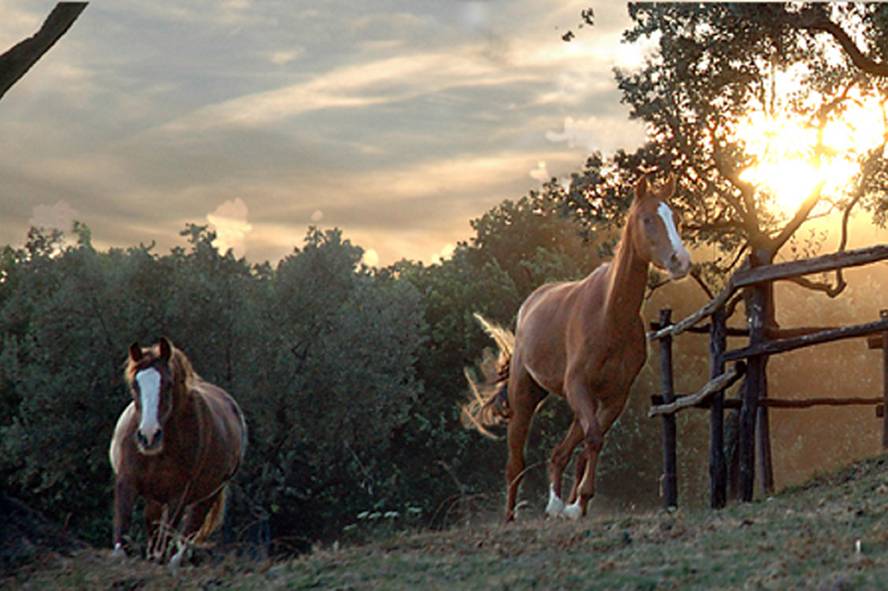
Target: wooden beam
x=883, y=314
x=19, y=59
x=778, y=271
x=826, y=336
x=731, y=331
x=753, y=389
x=725, y=380
x=799, y=331
x=683, y=325
x=874, y=341
x=718, y=483
x=827, y=262
x=809, y=402
x=670, y=462
x=783, y=403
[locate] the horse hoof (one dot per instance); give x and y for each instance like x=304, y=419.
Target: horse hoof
x=118, y=552
x=555, y=508
x=573, y=512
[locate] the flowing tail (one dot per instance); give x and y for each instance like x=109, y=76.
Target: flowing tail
x=489, y=402
x=214, y=517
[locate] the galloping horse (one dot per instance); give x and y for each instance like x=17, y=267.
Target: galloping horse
x=177, y=445
x=583, y=340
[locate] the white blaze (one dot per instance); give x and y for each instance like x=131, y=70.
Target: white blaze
x=671, y=230
x=678, y=249
x=149, y=391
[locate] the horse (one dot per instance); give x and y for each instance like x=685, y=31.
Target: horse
x=583, y=341
x=177, y=445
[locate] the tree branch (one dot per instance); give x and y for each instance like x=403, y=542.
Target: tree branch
x=830, y=290
x=19, y=59
x=815, y=19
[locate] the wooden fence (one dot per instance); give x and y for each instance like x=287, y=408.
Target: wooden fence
x=749, y=363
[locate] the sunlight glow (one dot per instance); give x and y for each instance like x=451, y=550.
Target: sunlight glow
x=786, y=150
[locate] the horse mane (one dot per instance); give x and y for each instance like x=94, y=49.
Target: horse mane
x=184, y=375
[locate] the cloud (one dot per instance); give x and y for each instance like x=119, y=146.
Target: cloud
x=376, y=82
x=596, y=133
x=370, y=258
x=475, y=14
x=229, y=220
x=60, y=215
x=442, y=255
x=317, y=216
x=540, y=173
x=282, y=57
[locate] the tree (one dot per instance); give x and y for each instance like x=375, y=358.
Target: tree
x=719, y=65
x=716, y=64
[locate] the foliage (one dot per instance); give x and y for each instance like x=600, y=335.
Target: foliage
x=713, y=65
x=68, y=313
x=350, y=378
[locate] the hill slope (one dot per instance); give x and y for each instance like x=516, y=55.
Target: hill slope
x=805, y=537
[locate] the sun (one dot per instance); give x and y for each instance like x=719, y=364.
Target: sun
x=790, y=164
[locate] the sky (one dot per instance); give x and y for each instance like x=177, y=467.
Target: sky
x=396, y=121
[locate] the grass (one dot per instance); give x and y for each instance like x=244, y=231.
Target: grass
x=806, y=537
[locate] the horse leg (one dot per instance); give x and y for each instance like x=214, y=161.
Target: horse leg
x=585, y=410
x=560, y=457
x=579, y=470
x=524, y=396
x=154, y=526
x=193, y=526
x=124, y=497
x=584, y=485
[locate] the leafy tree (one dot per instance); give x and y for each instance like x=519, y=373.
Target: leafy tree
x=717, y=63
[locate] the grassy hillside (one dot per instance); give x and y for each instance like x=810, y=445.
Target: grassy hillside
x=803, y=538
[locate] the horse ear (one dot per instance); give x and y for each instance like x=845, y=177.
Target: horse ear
x=166, y=349
x=641, y=187
x=135, y=352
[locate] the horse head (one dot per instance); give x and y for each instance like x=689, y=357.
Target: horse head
x=655, y=228
x=151, y=380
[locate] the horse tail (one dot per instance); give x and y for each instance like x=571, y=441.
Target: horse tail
x=488, y=404
x=214, y=517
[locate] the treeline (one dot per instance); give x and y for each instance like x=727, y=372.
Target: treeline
x=350, y=377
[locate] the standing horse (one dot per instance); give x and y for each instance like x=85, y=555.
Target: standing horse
x=583, y=340
x=177, y=445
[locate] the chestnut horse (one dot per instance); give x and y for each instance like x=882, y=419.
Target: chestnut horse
x=582, y=340
x=177, y=445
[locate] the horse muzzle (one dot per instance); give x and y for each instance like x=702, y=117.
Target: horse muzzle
x=149, y=444
x=679, y=265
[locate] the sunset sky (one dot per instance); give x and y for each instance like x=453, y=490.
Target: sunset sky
x=395, y=121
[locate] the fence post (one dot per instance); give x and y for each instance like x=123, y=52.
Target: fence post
x=753, y=386
x=717, y=470
x=763, y=425
x=884, y=314
x=670, y=480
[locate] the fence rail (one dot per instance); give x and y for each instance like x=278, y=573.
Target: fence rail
x=764, y=341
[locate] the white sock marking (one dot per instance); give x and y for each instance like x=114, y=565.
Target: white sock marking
x=556, y=506
x=573, y=511
x=149, y=389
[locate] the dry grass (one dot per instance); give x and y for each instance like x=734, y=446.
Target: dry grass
x=803, y=538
